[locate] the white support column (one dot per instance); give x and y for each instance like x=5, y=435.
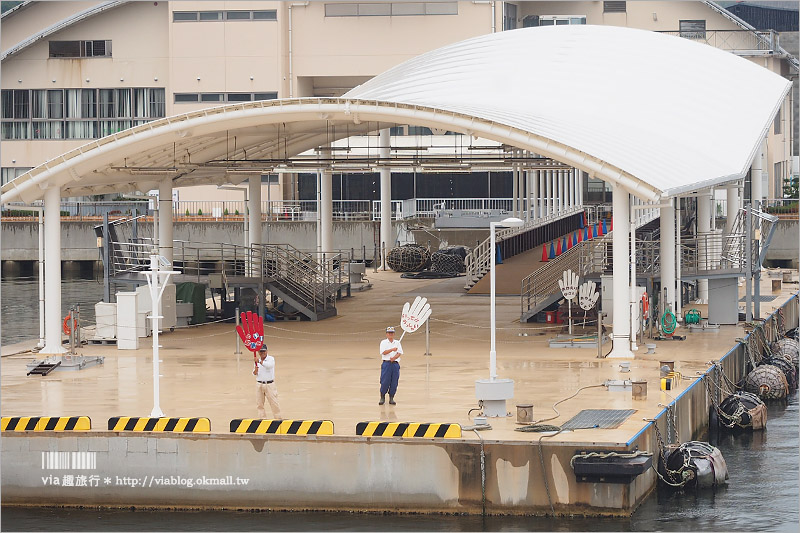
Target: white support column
x=52, y=272
x=548, y=202
x=386, y=195
x=540, y=200
x=732, y=207
x=678, y=260
x=514, y=186
x=571, y=183
x=560, y=193
x=326, y=211
x=254, y=209
x=633, y=309
x=165, y=219
x=756, y=178
x=527, y=202
x=667, y=254
x=703, y=235
x=534, y=184
x=521, y=188
x=621, y=334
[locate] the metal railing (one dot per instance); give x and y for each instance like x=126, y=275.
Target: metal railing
x=477, y=261
x=540, y=285
x=732, y=40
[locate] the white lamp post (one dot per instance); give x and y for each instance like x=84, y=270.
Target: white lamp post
x=494, y=392
x=157, y=280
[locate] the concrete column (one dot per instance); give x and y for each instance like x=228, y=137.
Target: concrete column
x=733, y=207
x=548, y=202
x=514, y=186
x=165, y=219
x=703, y=234
x=560, y=198
x=52, y=272
x=326, y=212
x=254, y=209
x=756, y=178
x=667, y=253
x=621, y=334
x=386, y=195
x=527, y=202
x=534, y=192
x=541, y=192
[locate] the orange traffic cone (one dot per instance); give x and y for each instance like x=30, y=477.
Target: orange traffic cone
x=599, y=229
x=544, y=254
x=558, y=247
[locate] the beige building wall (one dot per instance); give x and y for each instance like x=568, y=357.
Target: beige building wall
x=309, y=55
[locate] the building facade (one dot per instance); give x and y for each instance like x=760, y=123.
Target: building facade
x=77, y=71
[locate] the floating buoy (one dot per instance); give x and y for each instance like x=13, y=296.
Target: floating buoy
x=694, y=464
x=768, y=382
x=410, y=258
x=743, y=410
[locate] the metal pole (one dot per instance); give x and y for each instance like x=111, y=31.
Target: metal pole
x=238, y=348
x=154, y=298
x=106, y=259
x=600, y=334
x=41, y=279
x=748, y=291
x=492, y=273
x=428, y=337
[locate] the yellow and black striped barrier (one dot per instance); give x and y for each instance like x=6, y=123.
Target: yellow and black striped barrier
x=281, y=427
x=175, y=425
x=408, y=430
x=46, y=423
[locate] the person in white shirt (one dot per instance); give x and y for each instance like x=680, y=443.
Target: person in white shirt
x=391, y=350
x=265, y=384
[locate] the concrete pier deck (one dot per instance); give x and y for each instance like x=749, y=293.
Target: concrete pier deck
x=330, y=370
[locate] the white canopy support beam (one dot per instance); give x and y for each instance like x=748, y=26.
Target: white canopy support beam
x=386, y=199
x=52, y=272
x=621, y=334
x=165, y=219
x=667, y=253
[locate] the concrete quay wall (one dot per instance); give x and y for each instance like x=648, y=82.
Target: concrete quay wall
x=290, y=472
x=20, y=238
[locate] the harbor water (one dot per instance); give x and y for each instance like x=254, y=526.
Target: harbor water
x=761, y=495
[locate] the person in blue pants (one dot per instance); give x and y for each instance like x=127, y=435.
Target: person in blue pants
x=391, y=350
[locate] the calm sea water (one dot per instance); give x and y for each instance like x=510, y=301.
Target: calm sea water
x=763, y=493
x=20, y=304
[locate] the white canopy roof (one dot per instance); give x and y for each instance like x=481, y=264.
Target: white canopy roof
x=656, y=114
x=675, y=114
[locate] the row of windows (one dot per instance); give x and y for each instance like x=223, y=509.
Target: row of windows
x=77, y=113
x=80, y=49
x=390, y=9
x=9, y=173
x=181, y=98
x=552, y=20
x=214, y=16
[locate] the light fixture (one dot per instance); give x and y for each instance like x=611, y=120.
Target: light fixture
x=87, y=80
x=122, y=79
x=155, y=79
x=494, y=392
x=655, y=16
x=54, y=81
x=19, y=81
x=198, y=78
x=251, y=78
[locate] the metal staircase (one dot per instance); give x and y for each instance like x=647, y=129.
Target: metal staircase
x=725, y=257
x=310, y=284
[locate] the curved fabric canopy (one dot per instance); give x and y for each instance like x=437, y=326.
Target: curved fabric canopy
x=655, y=114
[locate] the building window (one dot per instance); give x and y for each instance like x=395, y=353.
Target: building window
x=552, y=20
x=777, y=123
x=693, y=29
x=614, y=7
x=59, y=49
x=181, y=98
x=214, y=16
x=77, y=113
x=509, y=16
x=11, y=173
x=385, y=9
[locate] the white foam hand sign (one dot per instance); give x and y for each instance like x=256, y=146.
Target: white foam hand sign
x=569, y=285
x=588, y=296
x=414, y=315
